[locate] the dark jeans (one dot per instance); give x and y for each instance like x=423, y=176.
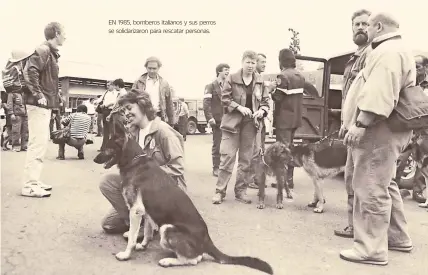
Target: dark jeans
x=215, y=151
x=77, y=143
x=182, y=126
x=20, y=132
x=99, y=124
x=55, y=119
x=106, y=129
x=287, y=136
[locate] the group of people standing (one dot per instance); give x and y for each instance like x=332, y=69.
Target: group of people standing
x=235, y=106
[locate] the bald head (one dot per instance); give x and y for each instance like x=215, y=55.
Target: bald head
x=385, y=19
x=381, y=23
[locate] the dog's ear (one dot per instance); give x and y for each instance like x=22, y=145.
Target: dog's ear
x=118, y=124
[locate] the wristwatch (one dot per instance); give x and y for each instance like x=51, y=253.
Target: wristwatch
x=360, y=125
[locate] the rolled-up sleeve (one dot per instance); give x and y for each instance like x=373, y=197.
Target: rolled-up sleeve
x=226, y=96
x=382, y=86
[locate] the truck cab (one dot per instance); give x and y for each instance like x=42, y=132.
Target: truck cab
x=197, y=120
x=322, y=98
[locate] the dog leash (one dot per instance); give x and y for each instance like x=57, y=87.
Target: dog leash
x=327, y=136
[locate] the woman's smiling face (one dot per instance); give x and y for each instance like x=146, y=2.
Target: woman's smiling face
x=133, y=114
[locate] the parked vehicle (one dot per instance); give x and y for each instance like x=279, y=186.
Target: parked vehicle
x=197, y=120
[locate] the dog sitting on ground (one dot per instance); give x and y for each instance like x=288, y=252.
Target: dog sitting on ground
x=151, y=193
x=319, y=160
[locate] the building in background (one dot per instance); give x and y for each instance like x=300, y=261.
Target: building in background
x=82, y=81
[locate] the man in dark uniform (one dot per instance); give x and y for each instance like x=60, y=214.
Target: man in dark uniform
x=288, y=98
x=214, y=111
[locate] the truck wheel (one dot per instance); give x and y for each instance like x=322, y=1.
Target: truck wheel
x=191, y=127
x=201, y=129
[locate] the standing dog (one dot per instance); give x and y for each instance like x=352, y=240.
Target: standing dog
x=151, y=193
x=319, y=160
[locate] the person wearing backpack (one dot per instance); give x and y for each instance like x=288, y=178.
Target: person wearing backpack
x=41, y=75
x=18, y=115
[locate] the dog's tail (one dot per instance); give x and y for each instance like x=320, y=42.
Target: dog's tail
x=222, y=258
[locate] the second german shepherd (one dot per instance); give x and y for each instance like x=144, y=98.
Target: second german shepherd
x=151, y=193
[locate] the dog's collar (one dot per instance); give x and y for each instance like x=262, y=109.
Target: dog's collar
x=139, y=156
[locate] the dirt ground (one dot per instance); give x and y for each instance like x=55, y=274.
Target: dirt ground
x=62, y=234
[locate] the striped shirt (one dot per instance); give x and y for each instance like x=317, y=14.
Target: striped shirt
x=79, y=124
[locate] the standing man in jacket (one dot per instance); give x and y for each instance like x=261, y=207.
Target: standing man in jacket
x=259, y=143
x=41, y=72
x=214, y=111
x=246, y=101
x=288, y=98
x=379, y=221
x=360, y=20
x=161, y=93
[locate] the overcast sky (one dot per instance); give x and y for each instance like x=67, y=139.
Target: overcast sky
x=189, y=60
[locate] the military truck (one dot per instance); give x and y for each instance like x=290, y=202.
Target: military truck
x=197, y=120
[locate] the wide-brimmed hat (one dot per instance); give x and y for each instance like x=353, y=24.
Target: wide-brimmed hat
x=18, y=55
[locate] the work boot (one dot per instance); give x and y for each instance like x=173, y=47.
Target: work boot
x=80, y=154
x=218, y=198
x=243, y=198
x=418, y=197
x=347, y=232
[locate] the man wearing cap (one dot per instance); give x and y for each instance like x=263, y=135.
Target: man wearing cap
x=183, y=116
x=161, y=93
x=41, y=73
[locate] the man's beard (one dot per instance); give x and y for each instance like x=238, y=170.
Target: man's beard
x=361, y=38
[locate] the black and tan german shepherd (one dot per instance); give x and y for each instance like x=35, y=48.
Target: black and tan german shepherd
x=420, y=153
x=151, y=193
x=319, y=160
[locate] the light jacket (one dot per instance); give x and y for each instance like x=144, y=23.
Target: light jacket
x=390, y=67
x=234, y=95
x=212, y=102
x=166, y=146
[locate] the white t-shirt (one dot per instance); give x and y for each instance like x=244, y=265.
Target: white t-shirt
x=143, y=133
x=152, y=88
x=90, y=106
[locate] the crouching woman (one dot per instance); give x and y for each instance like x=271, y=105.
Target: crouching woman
x=158, y=140
x=79, y=123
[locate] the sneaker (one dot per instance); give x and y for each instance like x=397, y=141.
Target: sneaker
x=351, y=256
x=347, y=232
x=243, y=198
x=16, y=149
x=35, y=191
x=401, y=248
x=45, y=186
x=218, y=198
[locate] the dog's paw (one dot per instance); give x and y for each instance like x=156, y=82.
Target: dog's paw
x=167, y=262
x=260, y=206
x=140, y=246
x=279, y=206
x=289, y=196
x=123, y=256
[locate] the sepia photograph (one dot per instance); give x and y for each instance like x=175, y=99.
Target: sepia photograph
x=124, y=122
